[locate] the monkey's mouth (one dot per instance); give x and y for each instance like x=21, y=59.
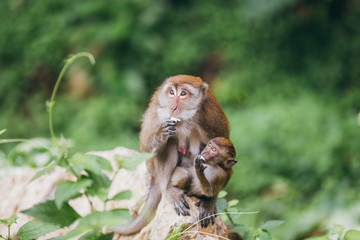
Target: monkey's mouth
x=202, y=158
x=175, y=119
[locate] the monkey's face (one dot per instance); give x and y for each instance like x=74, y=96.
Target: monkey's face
x=219, y=151
x=212, y=153
x=180, y=100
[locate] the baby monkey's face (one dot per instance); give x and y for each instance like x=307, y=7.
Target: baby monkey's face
x=219, y=151
x=212, y=153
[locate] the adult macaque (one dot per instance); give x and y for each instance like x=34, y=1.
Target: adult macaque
x=183, y=116
x=212, y=171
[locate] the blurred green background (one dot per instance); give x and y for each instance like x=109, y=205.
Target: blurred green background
x=286, y=73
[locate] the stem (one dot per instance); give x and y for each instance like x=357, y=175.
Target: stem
x=112, y=180
x=9, y=232
x=68, y=62
x=230, y=218
x=77, y=178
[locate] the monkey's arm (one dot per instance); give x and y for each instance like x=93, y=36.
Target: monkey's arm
x=205, y=185
x=152, y=139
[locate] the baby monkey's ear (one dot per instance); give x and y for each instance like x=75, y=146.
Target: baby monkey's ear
x=229, y=163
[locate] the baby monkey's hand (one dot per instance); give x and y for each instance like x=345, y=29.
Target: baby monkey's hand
x=199, y=163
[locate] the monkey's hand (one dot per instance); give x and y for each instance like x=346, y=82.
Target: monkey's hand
x=199, y=164
x=208, y=211
x=168, y=129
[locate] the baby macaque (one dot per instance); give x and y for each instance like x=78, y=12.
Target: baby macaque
x=210, y=173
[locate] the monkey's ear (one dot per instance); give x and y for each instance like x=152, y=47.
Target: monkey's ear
x=204, y=87
x=229, y=162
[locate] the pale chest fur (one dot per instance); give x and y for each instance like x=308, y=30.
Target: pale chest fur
x=190, y=137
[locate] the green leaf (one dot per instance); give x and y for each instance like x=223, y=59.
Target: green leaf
x=107, y=236
x=100, y=185
x=67, y=190
x=80, y=162
x=221, y=204
x=240, y=228
x=105, y=164
x=175, y=233
x=2, y=131
x=318, y=238
x=46, y=170
x=88, y=236
x=55, y=238
x=77, y=231
x=222, y=194
x=48, y=212
x=35, y=229
x=232, y=203
x=122, y=195
x=264, y=235
x=338, y=229
x=352, y=235
x=271, y=224
x=9, y=221
x=132, y=162
x=92, y=236
x=98, y=220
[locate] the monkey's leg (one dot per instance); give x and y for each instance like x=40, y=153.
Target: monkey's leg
x=207, y=210
x=145, y=216
x=181, y=178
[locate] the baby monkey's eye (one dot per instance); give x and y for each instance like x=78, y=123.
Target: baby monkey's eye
x=183, y=93
x=209, y=144
x=213, y=149
x=171, y=92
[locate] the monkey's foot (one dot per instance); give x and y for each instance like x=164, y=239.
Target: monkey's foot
x=176, y=196
x=181, y=206
x=207, y=212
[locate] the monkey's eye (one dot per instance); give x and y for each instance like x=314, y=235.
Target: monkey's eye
x=209, y=144
x=213, y=149
x=172, y=92
x=183, y=93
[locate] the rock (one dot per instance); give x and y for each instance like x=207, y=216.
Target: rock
x=166, y=220
x=20, y=194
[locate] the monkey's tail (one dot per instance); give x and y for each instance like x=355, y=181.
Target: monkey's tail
x=145, y=216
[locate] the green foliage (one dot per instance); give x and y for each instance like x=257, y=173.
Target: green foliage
x=67, y=190
x=122, y=195
x=338, y=232
x=271, y=224
x=34, y=229
x=232, y=215
x=97, y=220
x=34, y=153
x=8, y=222
x=176, y=233
x=352, y=235
x=100, y=185
x=90, y=181
x=50, y=213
